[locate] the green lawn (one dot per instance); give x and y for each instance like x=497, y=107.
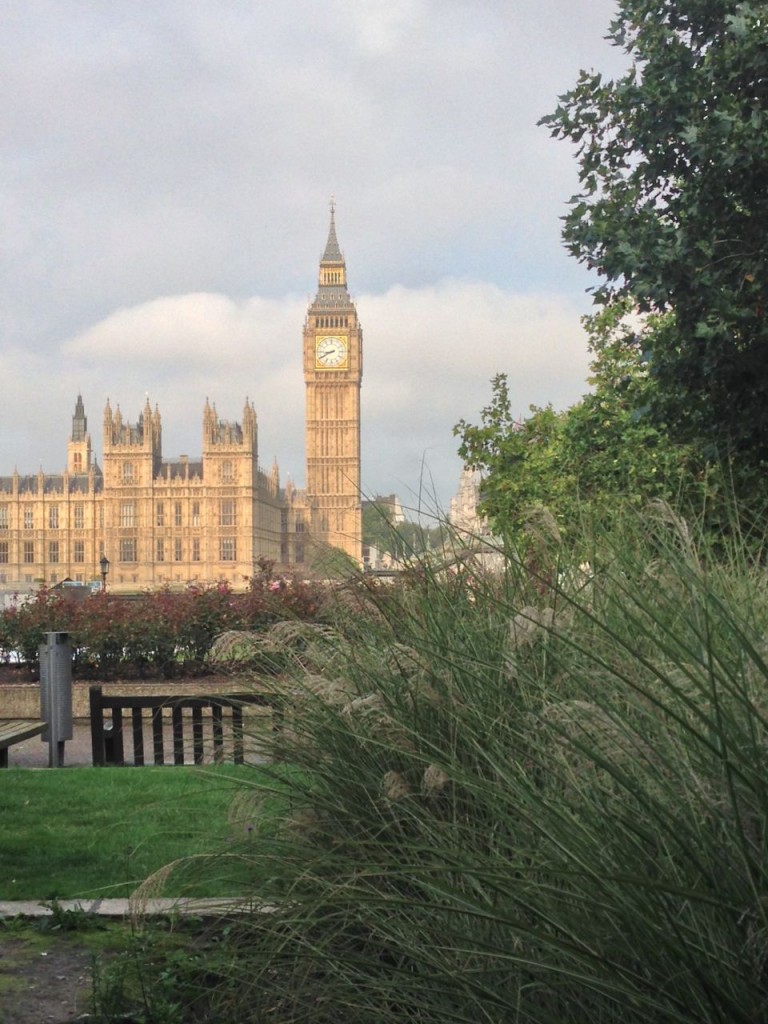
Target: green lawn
x=88, y=832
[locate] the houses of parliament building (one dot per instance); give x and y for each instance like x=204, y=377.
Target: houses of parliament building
x=163, y=523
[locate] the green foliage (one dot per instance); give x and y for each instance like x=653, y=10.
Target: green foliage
x=672, y=207
x=165, y=975
x=160, y=631
x=524, y=462
x=377, y=525
x=525, y=803
x=402, y=539
x=616, y=451
x=604, y=453
x=89, y=832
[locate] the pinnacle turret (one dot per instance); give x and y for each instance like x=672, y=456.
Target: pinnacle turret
x=79, y=421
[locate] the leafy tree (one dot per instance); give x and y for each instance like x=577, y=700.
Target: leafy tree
x=377, y=525
x=399, y=539
x=673, y=167
x=603, y=453
x=615, y=450
x=523, y=463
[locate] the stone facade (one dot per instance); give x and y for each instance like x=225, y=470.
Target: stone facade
x=463, y=515
x=333, y=371
x=215, y=518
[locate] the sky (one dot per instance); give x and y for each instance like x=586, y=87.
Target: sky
x=165, y=176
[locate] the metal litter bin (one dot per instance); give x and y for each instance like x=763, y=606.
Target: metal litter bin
x=56, y=694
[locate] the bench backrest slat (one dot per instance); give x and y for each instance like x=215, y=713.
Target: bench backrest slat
x=175, y=718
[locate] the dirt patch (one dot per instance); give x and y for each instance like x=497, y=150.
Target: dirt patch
x=44, y=978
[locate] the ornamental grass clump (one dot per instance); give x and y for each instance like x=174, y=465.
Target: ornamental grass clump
x=575, y=829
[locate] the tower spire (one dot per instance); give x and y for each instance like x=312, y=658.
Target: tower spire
x=332, y=291
x=332, y=252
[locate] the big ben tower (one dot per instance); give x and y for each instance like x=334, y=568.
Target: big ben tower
x=333, y=370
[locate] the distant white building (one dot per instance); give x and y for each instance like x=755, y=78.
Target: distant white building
x=463, y=515
x=390, y=505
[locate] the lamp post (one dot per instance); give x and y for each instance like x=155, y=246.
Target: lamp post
x=104, y=563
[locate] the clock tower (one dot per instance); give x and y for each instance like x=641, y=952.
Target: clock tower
x=333, y=370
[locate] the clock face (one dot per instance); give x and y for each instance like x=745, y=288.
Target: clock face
x=331, y=353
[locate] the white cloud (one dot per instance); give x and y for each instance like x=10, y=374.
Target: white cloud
x=190, y=332
x=163, y=162
x=429, y=354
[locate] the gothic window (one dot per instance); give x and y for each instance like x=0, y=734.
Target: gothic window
x=53, y=517
x=299, y=552
x=128, y=475
x=127, y=549
x=227, y=515
x=227, y=549
x=299, y=525
x=160, y=514
x=77, y=462
x=195, y=513
x=177, y=514
x=29, y=551
x=160, y=556
x=79, y=517
x=29, y=517
x=195, y=549
x=53, y=551
x=3, y=551
x=177, y=549
x=3, y=517
x=127, y=515
x=78, y=551
x=227, y=472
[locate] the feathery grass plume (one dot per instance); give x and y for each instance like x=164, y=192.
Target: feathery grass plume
x=151, y=888
x=528, y=624
x=587, y=845
x=593, y=733
x=369, y=717
x=666, y=515
x=394, y=786
x=434, y=780
x=364, y=705
x=234, y=648
x=331, y=691
x=305, y=822
x=246, y=808
x=541, y=526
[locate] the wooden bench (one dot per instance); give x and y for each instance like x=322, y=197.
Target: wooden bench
x=15, y=730
x=188, y=725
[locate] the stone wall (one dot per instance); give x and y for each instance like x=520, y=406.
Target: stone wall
x=22, y=700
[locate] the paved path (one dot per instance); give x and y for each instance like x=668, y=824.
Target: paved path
x=129, y=908
x=33, y=753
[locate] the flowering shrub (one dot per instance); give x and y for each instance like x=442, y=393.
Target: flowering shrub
x=164, y=631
